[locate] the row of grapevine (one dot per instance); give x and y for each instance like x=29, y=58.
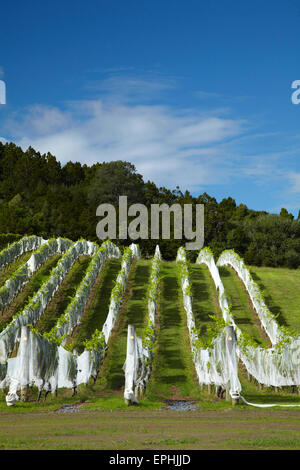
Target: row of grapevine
x=71, y=317
x=18, y=248
x=216, y=364
x=138, y=364
x=23, y=273
x=41, y=359
x=37, y=305
x=277, y=366
x=276, y=333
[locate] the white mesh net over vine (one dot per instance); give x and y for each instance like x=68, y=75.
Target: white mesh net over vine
x=41, y=361
x=139, y=357
x=277, y=366
x=217, y=364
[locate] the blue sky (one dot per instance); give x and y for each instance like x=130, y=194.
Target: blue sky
x=195, y=94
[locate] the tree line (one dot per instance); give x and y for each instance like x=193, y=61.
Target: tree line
x=40, y=196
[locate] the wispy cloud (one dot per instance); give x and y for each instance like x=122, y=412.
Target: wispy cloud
x=294, y=178
x=207, y=94
x=120, y=86
x=167, y=146
x=215, y=96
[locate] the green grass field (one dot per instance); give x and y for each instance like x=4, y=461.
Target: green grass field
x=142, y=429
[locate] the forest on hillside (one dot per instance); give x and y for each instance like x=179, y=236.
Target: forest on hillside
x=40, y=196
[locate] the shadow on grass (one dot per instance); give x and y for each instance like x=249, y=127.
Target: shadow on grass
x=275, y=309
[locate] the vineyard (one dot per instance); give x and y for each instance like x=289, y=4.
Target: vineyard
x=76, y=313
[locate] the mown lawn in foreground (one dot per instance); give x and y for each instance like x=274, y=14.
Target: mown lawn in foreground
x=151, y=429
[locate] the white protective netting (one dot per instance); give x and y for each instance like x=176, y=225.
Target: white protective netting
x=277, y=366
x=268, y=321
x=36, y=306
x=116, y=296
x=138, y=364
x=216, y=365
x=22, y=275
x=16, y=249
x=49, y=366
x=132, y=365
x=71, y=318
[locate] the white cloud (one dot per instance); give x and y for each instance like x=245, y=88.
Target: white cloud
x=166, y=146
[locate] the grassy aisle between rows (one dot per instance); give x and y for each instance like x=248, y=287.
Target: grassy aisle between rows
x=96, y=309
x=28, y=291
x=242, y=310
x=281, y=290
x=9, y=269
x=173, y=375
x=132, y=312
x=205, y=298
x=59, y=302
